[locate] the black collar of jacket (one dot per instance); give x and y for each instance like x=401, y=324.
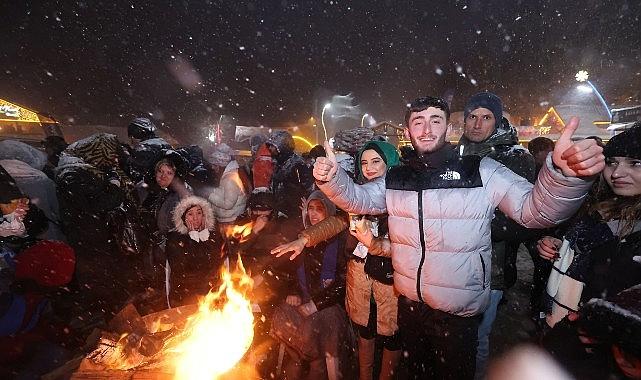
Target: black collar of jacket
x=441, y=169
x=433, y=160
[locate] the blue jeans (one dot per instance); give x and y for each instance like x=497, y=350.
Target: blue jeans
x=483, y=348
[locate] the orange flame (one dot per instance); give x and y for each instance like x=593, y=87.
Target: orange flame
x=206, y=345
x=219, y=334
x=239, y=232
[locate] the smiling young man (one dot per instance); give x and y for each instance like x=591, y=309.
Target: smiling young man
x=440, y=207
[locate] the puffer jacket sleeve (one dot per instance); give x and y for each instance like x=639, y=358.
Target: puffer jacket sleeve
x=553, y=199
x=366, y=199
x=325, y=230
x=226, y=195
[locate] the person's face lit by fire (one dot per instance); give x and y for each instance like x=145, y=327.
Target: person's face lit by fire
x=164, y=175
x=195, y=219
x=316, y=211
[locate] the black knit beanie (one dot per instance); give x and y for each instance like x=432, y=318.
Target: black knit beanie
x=625, y=144
x=485, y=100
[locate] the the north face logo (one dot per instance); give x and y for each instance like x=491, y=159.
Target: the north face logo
x=450, y=175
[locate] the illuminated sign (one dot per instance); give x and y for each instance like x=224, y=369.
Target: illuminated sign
x=544, y=130
x=10, y=111
x=14, y=113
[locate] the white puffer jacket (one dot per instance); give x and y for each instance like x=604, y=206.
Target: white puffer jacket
x=439, y=222
x=229, y=198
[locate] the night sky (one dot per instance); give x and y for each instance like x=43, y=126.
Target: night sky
x=272, y=62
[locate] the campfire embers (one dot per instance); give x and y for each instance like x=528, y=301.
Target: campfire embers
x=206, y=342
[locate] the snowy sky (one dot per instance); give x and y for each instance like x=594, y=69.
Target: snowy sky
x=269, y=62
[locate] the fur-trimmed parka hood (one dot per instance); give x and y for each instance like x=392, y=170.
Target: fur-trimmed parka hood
x=186, y=204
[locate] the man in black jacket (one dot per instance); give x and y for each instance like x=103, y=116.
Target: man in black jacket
x=488, y=133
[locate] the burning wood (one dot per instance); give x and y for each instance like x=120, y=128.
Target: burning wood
x=192, y=342
x=220, y=333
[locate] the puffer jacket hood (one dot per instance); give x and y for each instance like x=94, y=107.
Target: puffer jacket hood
x=284, y=142
x=387, y=151
x=329, y=206
x=17, y=150
x=186, y=204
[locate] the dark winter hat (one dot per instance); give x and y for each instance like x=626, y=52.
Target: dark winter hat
x=141, y=128
x=48, y=263
x=485, y=100
x=616, y=320
x=625, y=144
x=180, y=162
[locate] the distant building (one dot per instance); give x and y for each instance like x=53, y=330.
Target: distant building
x=623, y=118
x=392, y=133
x=594, y=121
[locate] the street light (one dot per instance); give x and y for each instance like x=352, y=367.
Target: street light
x=363, y=119
x=584, y=88
x=582, y=76
x=325, y=107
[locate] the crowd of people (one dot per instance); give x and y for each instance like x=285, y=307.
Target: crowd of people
x=366, y=262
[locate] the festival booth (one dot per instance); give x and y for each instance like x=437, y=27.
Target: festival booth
x=594, y=121
x=392, y=133
x=20, y=123
x=624, y=118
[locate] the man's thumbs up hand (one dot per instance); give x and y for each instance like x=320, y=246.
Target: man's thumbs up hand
x=583, y=158
x=325, y=167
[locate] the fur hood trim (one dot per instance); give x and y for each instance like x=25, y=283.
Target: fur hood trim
x=187, y=203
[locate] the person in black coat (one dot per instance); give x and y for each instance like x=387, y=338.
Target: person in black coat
x=193, y=252
x=600, y=255
x=292, y=180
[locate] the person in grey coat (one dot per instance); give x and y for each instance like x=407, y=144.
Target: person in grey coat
x=440, y=208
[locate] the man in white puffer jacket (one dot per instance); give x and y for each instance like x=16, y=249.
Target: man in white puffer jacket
x=440, y=208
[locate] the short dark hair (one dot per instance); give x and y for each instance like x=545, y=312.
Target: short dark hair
x=540, y=144
x=423, y=103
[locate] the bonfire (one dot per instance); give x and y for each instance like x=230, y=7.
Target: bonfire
x=206, y=341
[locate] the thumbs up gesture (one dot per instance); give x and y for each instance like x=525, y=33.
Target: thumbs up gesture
x=325, y=167
x=583, y=158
